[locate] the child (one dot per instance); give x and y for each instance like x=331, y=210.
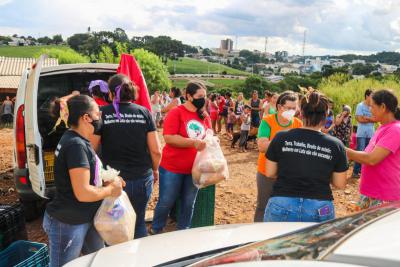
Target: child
x=353, y=138
x=245, y=127
x=230, y=122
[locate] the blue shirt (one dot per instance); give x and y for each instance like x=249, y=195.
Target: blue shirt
x=365, y=130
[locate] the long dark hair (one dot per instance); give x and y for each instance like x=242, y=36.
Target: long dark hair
x=191, y=89
x=390, y=100
x=77, y=107
x=128, y=89
x=176, y=91
x=314, y=107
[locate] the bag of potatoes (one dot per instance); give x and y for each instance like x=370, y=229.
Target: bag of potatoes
x=210, y=166
x=115, y=219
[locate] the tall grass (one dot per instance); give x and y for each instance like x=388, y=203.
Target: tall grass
x=351, y=92
x=64, y=56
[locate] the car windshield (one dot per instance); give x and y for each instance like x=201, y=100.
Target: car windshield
x=312, y=243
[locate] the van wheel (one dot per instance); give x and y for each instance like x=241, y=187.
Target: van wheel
x=33, y=209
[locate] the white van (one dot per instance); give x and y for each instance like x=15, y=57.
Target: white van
x=34, y=141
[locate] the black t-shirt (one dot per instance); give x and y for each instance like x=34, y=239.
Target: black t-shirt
x=73, y=151
x=306, y=160
x=124, y=142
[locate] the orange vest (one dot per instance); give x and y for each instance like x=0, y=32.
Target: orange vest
x=275, y=128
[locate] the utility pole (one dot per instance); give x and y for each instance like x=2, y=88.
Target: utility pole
x=236, y=41
x=265, y=48
x=304, y=45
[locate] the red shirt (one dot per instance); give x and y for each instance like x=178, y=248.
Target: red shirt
x=180, y=121
x=221, y=104
x=100, y=101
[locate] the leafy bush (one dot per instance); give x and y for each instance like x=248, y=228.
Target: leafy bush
x=351, y=92
x=154, y=71
x=64, y=56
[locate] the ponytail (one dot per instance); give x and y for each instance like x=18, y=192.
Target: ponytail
x=397, y=113
x=314, y=107
x=71, y=110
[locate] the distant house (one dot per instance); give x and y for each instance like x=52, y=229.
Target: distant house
x=358, y=61
x=11, y=69
x=386, y=68
x=18, y=42
x=274, y=78
x=289, y=70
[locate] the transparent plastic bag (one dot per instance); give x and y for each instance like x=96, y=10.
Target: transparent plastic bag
x=115, y=219
x=210, y=166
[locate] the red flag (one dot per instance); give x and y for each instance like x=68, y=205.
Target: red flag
x=129, y=67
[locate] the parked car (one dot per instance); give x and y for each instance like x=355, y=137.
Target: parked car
x=367, y=238
x=35, y=142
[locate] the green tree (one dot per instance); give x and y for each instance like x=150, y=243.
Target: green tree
x=154, y=71
x=106, y=55
x=120, y=36
x=44, y=40
x=57, y=39
x=78, y=41
x=361, y=69
x=252, y=83
x=207, y=52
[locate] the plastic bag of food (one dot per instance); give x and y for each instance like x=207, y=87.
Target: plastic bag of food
x=210, y=166
x=115, y=219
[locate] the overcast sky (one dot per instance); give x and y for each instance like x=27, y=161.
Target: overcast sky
x=332, y=26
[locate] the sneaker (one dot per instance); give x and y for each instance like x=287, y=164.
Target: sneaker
x=153, y=232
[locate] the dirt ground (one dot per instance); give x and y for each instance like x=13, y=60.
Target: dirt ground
x=235, y=198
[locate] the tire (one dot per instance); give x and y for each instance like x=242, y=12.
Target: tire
x=33, y=209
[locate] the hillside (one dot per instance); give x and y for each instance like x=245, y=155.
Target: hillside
x=25, y=51
x=195, y=66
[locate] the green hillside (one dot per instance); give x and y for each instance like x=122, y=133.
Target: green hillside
x=25, y=51
x=218, y=83
x=195, y=66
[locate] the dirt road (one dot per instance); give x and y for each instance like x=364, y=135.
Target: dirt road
x=235, y=198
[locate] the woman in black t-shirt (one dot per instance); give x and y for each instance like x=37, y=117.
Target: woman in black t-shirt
x=305, y=161
x=130, y=144
x=68, y=220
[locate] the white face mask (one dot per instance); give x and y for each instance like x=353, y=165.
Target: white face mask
x=289, y=114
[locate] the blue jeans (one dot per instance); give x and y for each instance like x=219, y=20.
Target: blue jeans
x=293, y=209
x=68, y=241
x=139, y=192
x=362, y=143
x=172, y=186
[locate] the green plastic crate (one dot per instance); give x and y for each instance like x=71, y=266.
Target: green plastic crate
x=204, y=208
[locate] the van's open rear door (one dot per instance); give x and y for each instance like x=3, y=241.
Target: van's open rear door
x=33, y=138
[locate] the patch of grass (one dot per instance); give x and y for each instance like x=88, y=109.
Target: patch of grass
x=218, y=83
x=26, y=51
x=195, y=66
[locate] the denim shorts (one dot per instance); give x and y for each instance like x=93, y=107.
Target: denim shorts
x=292, y=209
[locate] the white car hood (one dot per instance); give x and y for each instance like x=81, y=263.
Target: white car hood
x=153, y=250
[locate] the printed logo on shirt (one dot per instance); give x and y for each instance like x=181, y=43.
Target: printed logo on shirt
x=307, y=149
x=195, y=130
x=125, y=119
